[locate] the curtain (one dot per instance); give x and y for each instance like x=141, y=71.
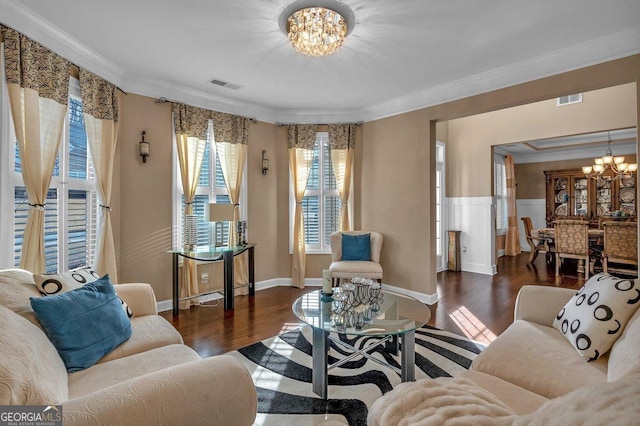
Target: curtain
x=100, y=107
x=190, y=125
x=341, y=143
x=301, y=141
x=231, y=135
x=512, y=239
x=38, y=86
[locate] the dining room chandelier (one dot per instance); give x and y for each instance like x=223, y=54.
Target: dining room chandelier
x=616, y=165
x=316, y=31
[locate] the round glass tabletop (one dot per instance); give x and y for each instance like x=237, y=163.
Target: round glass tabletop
x=361, y=311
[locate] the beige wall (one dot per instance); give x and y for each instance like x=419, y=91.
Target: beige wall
x=403, y=147
x=530, y=176
x=396, y=179
x=395, y=168
x=471, y=138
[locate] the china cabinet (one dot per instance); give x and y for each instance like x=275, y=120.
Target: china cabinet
x=570, y=193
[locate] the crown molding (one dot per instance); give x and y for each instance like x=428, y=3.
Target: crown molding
x=618, y=45
x=157, y=88
x=614, y=46
x=17, y=16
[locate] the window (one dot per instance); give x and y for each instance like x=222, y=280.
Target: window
x=440, y=208
x=71, y=205
x=211, y=189
x=500, y=193
x=321, y=202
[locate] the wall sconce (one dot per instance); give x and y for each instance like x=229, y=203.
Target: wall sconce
x=145, y=148
x=265, y=162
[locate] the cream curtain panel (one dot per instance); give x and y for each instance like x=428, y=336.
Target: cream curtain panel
x=100, y=107
x=231, y=135
x=301, y=140
x=190, y=125
x=512, y=240
x=341, y=143
x=38, y=86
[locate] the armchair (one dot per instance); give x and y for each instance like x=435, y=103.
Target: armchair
x=347, y=269
x=536, y=243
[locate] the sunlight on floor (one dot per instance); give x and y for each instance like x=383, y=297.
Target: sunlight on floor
x=277, y=356
x=289, y=326
x=471, y=326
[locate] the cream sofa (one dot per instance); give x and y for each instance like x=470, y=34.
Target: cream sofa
x=529, y=374
x=151, y=379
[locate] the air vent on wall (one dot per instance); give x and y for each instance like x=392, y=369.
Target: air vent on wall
x=226, y=84
x=570, y=99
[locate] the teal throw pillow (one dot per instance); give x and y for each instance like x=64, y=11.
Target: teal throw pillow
x=356, y=247
x=83, y=324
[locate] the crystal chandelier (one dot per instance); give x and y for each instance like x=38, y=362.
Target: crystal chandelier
x=609, y=162
x=316, y=31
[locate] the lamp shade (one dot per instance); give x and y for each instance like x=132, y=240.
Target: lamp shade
x=219, y=212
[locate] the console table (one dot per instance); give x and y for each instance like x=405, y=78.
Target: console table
x=215, y=254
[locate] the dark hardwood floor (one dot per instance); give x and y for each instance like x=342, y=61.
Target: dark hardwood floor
x=475, y=305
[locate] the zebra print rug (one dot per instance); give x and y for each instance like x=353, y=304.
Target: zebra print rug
x=281, y=370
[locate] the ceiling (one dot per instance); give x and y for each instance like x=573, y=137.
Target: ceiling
x=400, y=55
x=623, y=142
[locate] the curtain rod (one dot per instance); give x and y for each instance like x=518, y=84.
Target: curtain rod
x=164, y=100
x=358, y=123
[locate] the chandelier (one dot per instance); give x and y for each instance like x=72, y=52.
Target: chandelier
x=316, y=31
x=608, y=162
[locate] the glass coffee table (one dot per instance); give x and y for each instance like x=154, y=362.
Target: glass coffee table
x=384, y=314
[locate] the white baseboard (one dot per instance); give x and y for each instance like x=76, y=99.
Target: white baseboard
x=429, y=299
x=480, y=269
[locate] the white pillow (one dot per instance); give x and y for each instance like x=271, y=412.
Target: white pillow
x=62, y=282
x=595, y=317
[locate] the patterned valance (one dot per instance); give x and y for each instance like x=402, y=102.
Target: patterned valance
x=302, y=136
x=191, y=121
x=230, y=128
x=31, y=65
x=99, y=97
x=342, y=136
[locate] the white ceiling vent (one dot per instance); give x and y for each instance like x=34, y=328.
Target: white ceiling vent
x=570, y=99
x=226, y=84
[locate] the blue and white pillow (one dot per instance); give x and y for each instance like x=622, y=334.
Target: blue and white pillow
x=595, y=317
x=84, y=324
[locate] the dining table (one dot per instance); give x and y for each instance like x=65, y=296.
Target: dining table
x=596, y=237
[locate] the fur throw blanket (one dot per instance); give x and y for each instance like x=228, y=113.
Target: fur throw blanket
x=458, y=401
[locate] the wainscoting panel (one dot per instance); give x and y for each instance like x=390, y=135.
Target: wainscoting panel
x=475, y=217
x=535, y=209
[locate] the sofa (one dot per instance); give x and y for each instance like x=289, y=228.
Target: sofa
x=150, y=379
x=530, y=374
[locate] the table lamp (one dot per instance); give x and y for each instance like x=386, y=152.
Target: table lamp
x=220, y=212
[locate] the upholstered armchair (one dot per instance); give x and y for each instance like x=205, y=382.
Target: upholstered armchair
x=620, y=245
x=349, y=257
x=572, y=241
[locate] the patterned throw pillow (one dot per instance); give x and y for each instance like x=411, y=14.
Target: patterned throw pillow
x=62, y=282
x=595, y=317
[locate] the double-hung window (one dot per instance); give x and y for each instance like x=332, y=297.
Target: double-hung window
x=321, y=202
x=211, y=189
x=71, y=205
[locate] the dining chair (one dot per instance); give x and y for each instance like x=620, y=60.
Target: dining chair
x=355, y=254
x=572, y=242
x=536, y=242
x=620, y=246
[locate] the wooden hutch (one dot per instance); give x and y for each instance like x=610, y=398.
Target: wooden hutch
x=572, y=194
